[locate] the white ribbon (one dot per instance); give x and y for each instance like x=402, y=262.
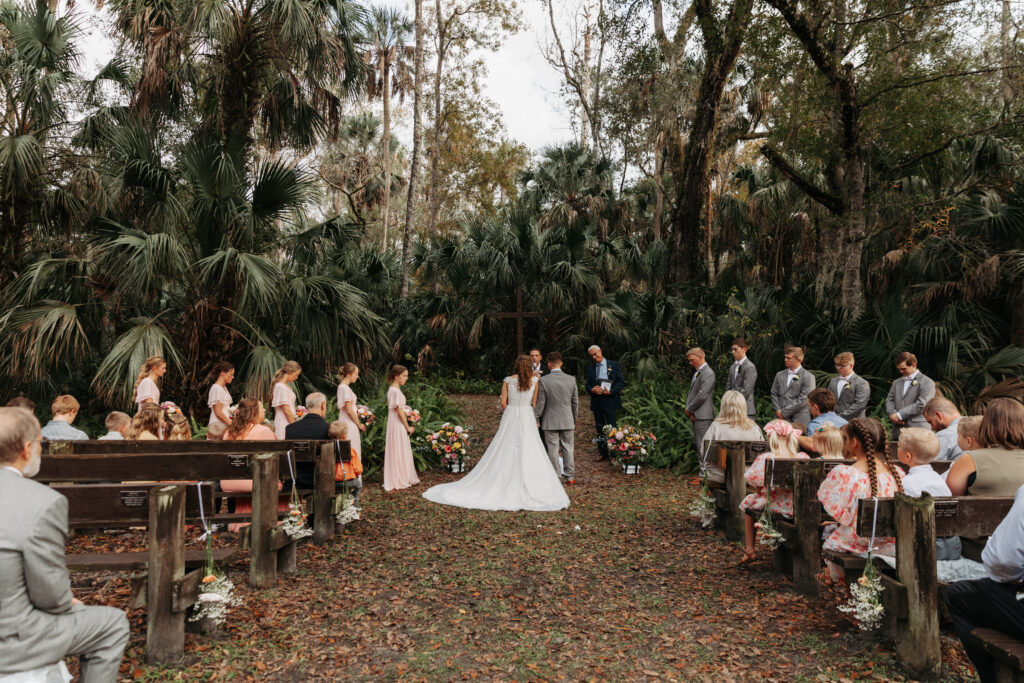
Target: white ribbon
x=290, y=470
x=202, y=514
x=874, y=523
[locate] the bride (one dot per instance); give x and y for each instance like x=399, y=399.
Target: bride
x=514, y=473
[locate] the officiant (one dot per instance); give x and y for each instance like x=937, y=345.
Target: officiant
x=536, y=360
x=604, y=383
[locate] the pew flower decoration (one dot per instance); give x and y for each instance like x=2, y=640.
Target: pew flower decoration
x=629, y=445
x=347, y=510
x=865, y=603
x=767, y=534
x=294, y=523
x=703, y=505
x=216, y=593
x=412, y=415
x=365, y=415
x=449, y=443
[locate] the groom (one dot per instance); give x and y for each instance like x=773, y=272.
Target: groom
x=558, y=402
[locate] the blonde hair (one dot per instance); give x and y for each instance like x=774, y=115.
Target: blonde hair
x=828, y=441
x=844, y=358
x=147, y=367
x=969, y=427
x=733, y=411
x=116, y=420
x=920, y=443
x=180, y=429
x=795, y=351
x=695, y=351
x=215, y=432
x=775, y=442
x=65, y=403
x=289, y=367
x=337, y=430
x=148, y=419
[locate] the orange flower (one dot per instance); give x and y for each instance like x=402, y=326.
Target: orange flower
x=208, y=578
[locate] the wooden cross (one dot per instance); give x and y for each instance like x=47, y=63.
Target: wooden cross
x=519, y=315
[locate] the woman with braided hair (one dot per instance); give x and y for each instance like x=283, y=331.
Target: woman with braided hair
x=873, y=474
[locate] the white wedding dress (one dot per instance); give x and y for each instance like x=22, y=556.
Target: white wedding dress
x=514, y=473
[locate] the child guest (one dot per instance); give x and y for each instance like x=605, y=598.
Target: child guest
x=117, y=424
x=351, y=473
x=917, y=448
x=828, y=442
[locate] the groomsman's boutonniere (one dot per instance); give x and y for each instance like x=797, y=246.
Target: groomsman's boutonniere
x=914, y=383
x=796, y=376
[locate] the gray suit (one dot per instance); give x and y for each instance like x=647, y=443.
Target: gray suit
x=790, y=398
x=558, y=402
x=700, y=402
x=910, y=403
x=38, y=623
x=853, y=400
x=743, y=379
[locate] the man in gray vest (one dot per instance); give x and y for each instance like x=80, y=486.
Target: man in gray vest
x=558, y=402
x=852, y=391
x=908, y=396
x=791, y=387
x=40, y=622
x=743, y=375
x=700, y=400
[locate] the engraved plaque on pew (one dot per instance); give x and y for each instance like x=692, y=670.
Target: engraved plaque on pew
x=758, y=446
x=238, y=460
x=134, y=499
x=945, y=508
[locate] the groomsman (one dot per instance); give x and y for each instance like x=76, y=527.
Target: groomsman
x=791, y=388
x=743, y=375
x=852, y=391
x=908, y=396
x=700, y=399
x=539, y=368
x=604, y=383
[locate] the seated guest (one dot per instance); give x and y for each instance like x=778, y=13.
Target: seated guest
x=311, y=426
x=732, y=424
x=147, y=425
x=943, y=418
x=22, y=402
x=782, y=440
x=215, y=432
x=41, y=623
x=178, y=427
x=827, y=442
x=821, y=403
x=917, y=448
x=117, y=424
x=967, y=430
x=64, y=410
x=993, y=602
x=351, y=472
x=247, y=425
x=871, y=475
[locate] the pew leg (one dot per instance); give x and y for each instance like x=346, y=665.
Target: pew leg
x=286, y=558
x=165, y=628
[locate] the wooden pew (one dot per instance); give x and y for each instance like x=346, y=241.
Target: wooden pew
x=734, y=457
x=911, y=598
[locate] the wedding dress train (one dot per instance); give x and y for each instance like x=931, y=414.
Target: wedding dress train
x=514, y=473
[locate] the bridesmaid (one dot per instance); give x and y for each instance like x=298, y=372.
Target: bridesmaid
x=282, y=398
x=399, y=467
x=220, y=397
x=347, y=374
x=146, y=390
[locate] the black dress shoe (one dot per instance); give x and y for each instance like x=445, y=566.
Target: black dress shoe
x=601, y=459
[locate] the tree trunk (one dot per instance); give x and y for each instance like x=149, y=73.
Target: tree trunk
x=435, y=151
x=721, y=47
x=584, y=117
x=414, y=165
x=387, y=153
x=659, y=186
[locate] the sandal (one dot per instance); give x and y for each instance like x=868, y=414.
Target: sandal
x=748, y=557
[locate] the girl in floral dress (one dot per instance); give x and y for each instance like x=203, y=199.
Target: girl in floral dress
x=782, y=440
x=873, y=474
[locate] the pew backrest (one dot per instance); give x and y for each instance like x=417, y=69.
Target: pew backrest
x=956, y=516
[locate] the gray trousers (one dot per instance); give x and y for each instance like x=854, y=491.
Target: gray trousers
x=99, y=637
x=700, y=428
x=561, y=440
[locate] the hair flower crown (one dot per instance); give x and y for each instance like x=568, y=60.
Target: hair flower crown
x=781, y=428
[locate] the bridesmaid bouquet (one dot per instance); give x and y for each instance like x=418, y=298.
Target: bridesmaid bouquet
x=365, y=415
x=449, y=442
x=412, y=415
x=629, y=445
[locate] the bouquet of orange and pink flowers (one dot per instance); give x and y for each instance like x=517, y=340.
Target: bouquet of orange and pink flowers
x=365, y=415
x=412, y=415
x=449, y=442
x=629, y=445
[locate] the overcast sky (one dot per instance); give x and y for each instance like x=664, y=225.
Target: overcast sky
x=520, y=81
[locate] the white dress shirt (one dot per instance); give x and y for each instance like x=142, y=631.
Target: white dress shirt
x=922, y=478
x=792, y=375
x=1004, y=553
x=843, y=383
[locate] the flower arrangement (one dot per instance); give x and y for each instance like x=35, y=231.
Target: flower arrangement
x=629, y=445
x=767, y=534
x=170, y=408
x=449, y=442
x=347, y=510
x=365, y=415
x=294, y=523
x=865, y=603
x=301, y=412
x=216, y=593
x=412, y=415
x=703, y=505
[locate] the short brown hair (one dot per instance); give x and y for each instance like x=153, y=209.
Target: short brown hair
x=1003, y=424
x=844, y=358
x=906, y=358
x=65, y=403
x=22, y=402
x=554, y=357
x=795, y=351
x=969, y=427
x=346, y=370
x=940, y=404
x=337, y=430
x=824, y=399
x=920, y=443
x=116, y=420
x=740, y=342
x=18, y=426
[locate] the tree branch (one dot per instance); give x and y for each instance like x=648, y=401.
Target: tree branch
x=829, y=201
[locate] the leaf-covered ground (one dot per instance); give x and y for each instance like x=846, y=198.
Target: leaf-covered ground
x=622, y=586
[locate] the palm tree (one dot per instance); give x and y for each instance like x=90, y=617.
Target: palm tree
x=390, y=58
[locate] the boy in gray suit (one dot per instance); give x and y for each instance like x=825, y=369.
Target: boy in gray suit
x=743, y=375
x=791, y=388
x=908, y=396
x=852, y=391
x=700, y=399
x=40, y=621
x=558, y=402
